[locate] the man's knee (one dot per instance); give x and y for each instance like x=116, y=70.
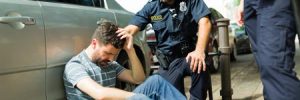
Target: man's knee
x=155, y=78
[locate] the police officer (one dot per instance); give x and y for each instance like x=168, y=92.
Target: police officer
x=271, y=27
x=182, y=29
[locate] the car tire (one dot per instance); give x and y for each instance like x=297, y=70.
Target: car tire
x=233, y=53
x=214, y=60
x=124, y=61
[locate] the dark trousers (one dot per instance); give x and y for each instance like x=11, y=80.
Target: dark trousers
x=271, y=28
x=175, y=74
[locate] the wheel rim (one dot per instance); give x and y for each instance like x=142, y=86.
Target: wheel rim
x=234, y=52
x=215, y=58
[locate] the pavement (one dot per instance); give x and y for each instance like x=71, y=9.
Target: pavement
x=245, y=78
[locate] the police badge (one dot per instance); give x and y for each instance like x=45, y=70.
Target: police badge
x=182, y=6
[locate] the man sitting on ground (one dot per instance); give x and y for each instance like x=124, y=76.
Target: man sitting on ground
x=92, y=73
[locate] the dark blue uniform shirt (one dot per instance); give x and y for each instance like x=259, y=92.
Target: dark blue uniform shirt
x=174, y=24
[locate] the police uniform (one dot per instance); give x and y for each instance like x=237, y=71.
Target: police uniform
x=271, y=28
x=176, y=30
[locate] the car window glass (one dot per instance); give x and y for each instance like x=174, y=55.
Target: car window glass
x=99, y=3
x=92, y=3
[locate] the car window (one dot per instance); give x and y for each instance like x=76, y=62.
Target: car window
x=92, y=3
x=99, y=3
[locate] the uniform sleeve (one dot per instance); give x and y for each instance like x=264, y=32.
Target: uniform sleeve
x=74, y=72
x=199, y=9
x=141, y=18
x=119, y=68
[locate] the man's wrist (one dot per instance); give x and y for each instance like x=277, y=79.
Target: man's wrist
x=129, y=51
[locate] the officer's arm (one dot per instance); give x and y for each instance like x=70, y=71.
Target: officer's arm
x=98, y=92
x=197, y=57
x=203, y=33
x=132, y=29
x=240, y=13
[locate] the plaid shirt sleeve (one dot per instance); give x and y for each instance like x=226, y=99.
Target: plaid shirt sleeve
x=119, y=68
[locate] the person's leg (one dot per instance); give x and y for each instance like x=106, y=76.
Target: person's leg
x=156, y=88
x=276, y=50
x=200, y=83
x=175, y=74
x=178, y=69
x=250, y=18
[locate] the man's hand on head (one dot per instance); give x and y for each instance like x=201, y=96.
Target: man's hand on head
x=123, y=34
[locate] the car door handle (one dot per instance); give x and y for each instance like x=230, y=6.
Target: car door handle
x=23, y=19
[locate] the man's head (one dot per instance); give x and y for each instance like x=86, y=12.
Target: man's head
x=105, y=43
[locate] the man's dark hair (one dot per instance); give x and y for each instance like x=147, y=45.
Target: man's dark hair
x=106, y=34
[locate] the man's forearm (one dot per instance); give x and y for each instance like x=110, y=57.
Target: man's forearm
x=98, y=92
x=203, y=34
x=137, y=70
x=111, y=95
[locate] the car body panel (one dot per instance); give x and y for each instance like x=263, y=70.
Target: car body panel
x=67, y=35
x=22, y=62
x=33, y=58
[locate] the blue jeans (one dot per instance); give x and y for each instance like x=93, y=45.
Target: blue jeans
x=156, y=88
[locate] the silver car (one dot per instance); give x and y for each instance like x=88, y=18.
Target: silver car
x=38, y=37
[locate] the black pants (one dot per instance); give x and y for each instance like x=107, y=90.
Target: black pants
x=176, y=72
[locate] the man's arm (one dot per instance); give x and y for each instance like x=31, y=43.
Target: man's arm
x=197, y=57
x=136, y=73
x=98, y=92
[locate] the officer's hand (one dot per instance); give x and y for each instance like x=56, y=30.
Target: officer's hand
x=240, y=14
x=123, y=34
x=197, y=61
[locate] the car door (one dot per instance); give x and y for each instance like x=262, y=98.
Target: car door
x=22, y=46
x=69, y=25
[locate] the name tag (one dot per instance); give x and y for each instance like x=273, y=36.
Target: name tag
x=156, y=18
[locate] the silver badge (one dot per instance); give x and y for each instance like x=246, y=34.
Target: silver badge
x=182, y=6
